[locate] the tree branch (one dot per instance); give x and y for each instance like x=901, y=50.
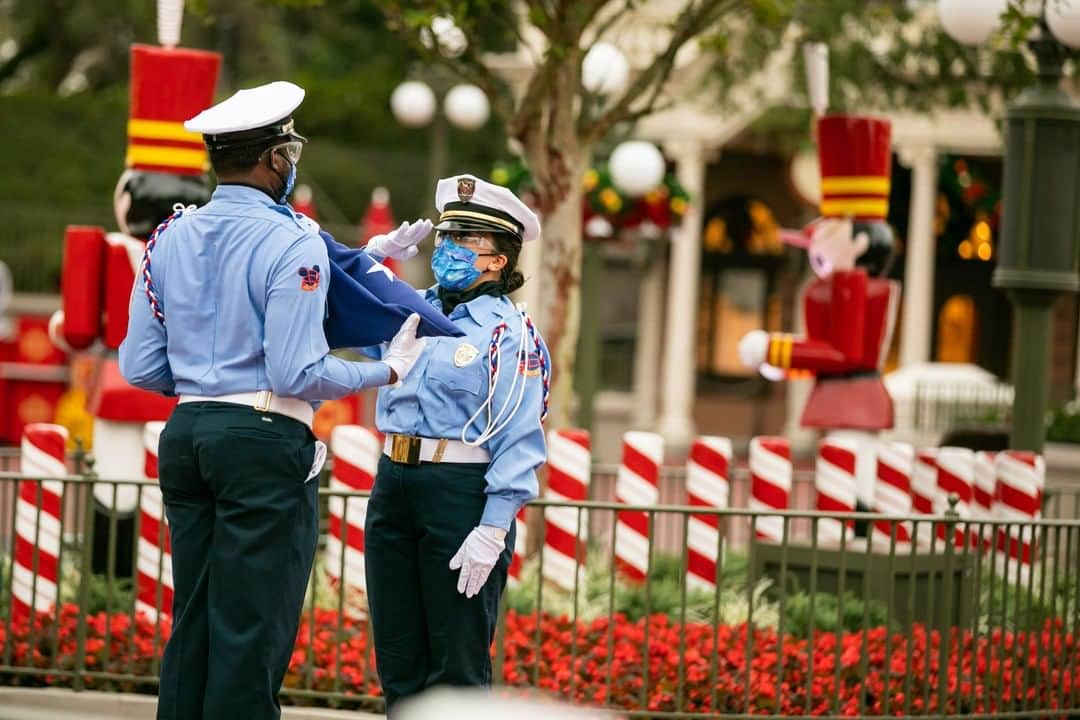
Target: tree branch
x=692, y=21
x=468, y=67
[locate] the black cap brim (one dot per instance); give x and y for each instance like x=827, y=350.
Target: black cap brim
x=473, y=225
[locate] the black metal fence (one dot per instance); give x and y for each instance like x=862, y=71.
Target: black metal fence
x=656, y=611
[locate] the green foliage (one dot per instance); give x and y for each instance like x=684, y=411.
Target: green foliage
x=1063, y=424
x=882, y=54
x=663, y=593
x=824, y=612
x=1015, y=605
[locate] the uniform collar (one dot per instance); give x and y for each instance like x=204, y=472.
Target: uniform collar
x=233, y=192
x=481, y=309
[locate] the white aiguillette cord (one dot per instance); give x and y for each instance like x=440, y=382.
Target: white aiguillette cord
x=497, y=423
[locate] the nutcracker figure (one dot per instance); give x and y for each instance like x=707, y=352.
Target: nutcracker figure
x=165, y=165
x=850, y=307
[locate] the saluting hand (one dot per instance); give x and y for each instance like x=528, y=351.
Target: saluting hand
x=404, y=350
x=476, y=557
x=400, y=244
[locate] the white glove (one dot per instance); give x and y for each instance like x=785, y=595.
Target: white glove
x=753, y=347
x=772, y=373
x=476, y=557
x=400, y=244
x=404, y=350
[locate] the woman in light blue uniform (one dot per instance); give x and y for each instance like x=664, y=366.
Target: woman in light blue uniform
x=463, y=441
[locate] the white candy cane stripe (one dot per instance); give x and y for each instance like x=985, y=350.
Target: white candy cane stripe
x=521, y=544
x=1018, y=496
x=637, y=483
x=892, y=494
x=707, y=485
x=955, y=477
x=770, y=483
x=924, y=492
x=37, y=520
x=985, y=482
x=356, y=452
x=983, y=487
x=565, y=533
x=834, y=481
x=154, y=580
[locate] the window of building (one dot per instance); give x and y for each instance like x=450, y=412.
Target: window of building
x=742, y=256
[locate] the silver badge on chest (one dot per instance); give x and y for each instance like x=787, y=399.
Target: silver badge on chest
x=465, y=354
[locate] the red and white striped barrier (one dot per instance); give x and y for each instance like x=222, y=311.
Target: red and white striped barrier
x=154, y=546
x=835, y=483
x=637, y=483
x=955, y=477
x=565, y=537
x=521, y=544
x=1018, y=497
x=770, y=483
x=356, y=451
x=982, y=495
x=37, y=520
x=708, y=472
x=892, y=494
x=924, y=492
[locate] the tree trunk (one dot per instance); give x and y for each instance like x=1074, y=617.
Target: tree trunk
x=560, y=293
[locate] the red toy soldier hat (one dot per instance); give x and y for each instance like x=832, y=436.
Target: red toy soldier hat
x=856, y=156
x=168, y=86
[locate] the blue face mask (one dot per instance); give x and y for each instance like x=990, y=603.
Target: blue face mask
x=289, y=182
x=454, y=266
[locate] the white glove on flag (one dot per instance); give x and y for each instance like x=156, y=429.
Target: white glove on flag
x=476, y=557
x=404, y=350
x=400, y=244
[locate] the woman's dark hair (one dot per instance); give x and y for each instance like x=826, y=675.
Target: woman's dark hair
x=509, y=246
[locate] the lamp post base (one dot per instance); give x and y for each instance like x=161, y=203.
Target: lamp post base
x=1031, y=356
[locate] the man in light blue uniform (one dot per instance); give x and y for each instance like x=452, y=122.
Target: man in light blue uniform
x=228, y=314
x=462, y=448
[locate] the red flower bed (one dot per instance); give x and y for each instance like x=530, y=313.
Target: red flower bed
x=1038, y=668
x=754, y=673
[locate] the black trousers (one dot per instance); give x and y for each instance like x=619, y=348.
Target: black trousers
x=243, y=524
x=426, y=632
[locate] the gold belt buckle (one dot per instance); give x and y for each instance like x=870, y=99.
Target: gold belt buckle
x=405, y=449
x=262, y=400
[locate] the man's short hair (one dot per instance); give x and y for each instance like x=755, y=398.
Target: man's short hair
x=236, y=160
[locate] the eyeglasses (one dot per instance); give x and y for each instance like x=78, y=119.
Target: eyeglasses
x=472, y=242
x=291, y=150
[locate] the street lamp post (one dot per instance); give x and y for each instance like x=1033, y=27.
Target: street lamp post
x=414, y=102
x=1041, y=216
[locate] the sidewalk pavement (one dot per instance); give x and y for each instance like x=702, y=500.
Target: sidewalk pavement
x=55, y=704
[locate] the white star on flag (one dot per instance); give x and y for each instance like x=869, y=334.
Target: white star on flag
x=379, y=267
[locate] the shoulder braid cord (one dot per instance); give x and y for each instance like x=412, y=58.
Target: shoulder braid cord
x=148, y=281
x=497, y=423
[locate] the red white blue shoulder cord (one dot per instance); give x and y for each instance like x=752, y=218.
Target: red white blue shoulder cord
x=148, y=280
x=497, y=421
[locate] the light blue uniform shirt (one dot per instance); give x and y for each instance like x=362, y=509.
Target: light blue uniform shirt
x=242, y=283
x=438, y=397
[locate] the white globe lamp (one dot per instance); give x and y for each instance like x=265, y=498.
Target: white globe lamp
x=413, y=104
x=971, y=21
x=605, y=70
x=805, y=174
x=1064, y=21
x=467, y=106
x=636, y=167
x=450, y=38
